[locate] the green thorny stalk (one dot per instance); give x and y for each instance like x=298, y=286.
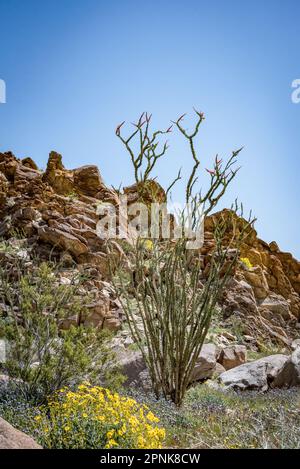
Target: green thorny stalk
x=174, y=300
x=146, y=155
x=220, y=176
x=175, y=305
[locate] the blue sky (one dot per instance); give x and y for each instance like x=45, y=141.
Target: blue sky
x=74, y=69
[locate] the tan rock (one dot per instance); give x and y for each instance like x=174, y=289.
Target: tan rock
x=97, y=312
x=218, y=370
x=256, y=278
x=66, y=241
x=112, y=324
x=98, y=260
x=274, y=247
x=232, y=356
x=228, y=335
x=277, y=305
x=11, y=438
x=87, y=180
x=57, y=176
x=238, y=297
x=29, y=163
x=206, y=362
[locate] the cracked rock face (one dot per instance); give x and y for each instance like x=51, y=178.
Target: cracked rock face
x=56, y=214
x=273, y=271
x=56, y=211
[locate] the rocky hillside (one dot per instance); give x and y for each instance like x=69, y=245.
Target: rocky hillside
x=54, y=213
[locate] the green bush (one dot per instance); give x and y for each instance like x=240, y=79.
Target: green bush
x=40, y=355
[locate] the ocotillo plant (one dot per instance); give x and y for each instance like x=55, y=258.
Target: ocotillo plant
x=175, y=302
x=175, y=306
x=146, y=156
x=221, y=176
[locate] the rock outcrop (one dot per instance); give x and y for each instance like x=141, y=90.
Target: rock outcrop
x=263, y=295
x=272, y=272
x=56, y=212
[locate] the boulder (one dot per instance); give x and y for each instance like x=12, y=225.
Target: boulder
x=60, y=179
x=256, y=278
x=62, y=239
x=87, y=180
x=11, y=438
x=277, y=305
x=232, y=356
x=98, y=260
x=295, y=344
x=145, y=381
x=134, y=368
x=289, y=375
x=257, y=375
x=112, y=323
x=273, y=246
x=206, y=363
x=239, y=297
x=97, y=311
x=132, y=364
x=218, y=370
x=29, y=163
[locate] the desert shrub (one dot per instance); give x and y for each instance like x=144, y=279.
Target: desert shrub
x=72, y=196
x=42, y=357
x=94, y=417
x=5, y=247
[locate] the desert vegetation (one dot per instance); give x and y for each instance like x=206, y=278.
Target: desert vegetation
x=175, y=307
x=146, y=341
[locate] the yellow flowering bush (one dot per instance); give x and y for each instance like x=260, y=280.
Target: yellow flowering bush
x=148, y=244
x=94, y=417
x=246, y=262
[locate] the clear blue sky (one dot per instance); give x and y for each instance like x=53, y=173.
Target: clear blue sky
x=75, y=68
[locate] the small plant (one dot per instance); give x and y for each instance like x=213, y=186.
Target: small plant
x=94, y=417
x=5, y=247
x=40, y=355
x=72, y=196
x=246, y=262
x=238, y=328
x=17, y=233
x=147, y=244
